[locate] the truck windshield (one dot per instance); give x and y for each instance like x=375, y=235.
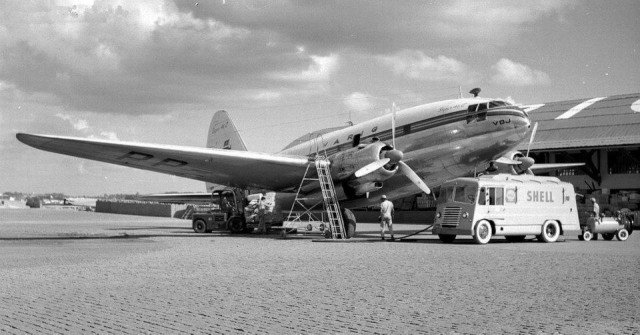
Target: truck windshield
x=465, y=194
x=446, y=194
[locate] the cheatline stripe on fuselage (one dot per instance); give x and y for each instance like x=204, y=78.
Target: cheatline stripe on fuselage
x=423, y=125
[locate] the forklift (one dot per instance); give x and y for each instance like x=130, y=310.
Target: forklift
x=226, y=213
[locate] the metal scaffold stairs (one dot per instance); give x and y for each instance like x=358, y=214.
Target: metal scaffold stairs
x=331, y=205
x=329, y=201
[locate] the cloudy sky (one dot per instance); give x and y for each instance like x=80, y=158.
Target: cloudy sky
x=156, y=71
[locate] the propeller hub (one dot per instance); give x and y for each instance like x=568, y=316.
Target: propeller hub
x=527, y=162
x=394, y=155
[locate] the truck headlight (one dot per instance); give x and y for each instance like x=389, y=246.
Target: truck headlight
x=465, y=215
x=438, y=215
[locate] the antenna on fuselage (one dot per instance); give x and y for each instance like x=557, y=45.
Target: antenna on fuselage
x=475, y=92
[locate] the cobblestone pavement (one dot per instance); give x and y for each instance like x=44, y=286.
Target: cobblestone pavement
x=74, y=272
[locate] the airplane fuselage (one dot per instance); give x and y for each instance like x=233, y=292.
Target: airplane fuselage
x=440, y=141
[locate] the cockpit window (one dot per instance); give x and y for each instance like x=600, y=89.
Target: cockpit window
x=497, y=103
x=472, y=108
x=482, y=107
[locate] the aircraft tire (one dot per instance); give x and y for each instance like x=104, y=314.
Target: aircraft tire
x=622, y=235
x=482, y=232
x=515, y=238
x=550, y=231
x=608, y=236
x=235, y=225
x=350, y=228
x=200, y=226
x=447, y=238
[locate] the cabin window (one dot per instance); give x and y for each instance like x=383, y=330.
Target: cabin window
x=493, y=104
x=496, y=196
x=356, y=139
x=406, y=129
x=493, y=196
x=482, y=109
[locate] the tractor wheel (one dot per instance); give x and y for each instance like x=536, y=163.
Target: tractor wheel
x=200, y=226
x=587, y=235
x=235, y=225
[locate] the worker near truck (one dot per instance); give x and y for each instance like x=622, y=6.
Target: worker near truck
x=595, y=213
x=262, y=211
x=386, y=217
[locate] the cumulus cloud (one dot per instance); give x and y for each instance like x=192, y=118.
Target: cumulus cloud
x=373, y=25
x=359, y=102
x=511, y=73
x=320, y=69
x=496, y=22
x=415, y=64
x=82, y=125
x=138, y=57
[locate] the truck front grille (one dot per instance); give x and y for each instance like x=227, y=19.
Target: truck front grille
x=451, y=217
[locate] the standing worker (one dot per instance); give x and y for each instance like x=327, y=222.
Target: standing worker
x=596, y=208
x=386, y=216
x=262, y=210
x=596, y=215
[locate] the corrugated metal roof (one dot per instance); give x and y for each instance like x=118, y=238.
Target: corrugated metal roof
x=612, y=121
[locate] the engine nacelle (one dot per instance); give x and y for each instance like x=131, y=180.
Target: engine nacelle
x=345, y=164
x=364, y=188
x=522, y=168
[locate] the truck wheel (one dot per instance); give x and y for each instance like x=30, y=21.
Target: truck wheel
x=587, y=235
x=200, y=226
x=235, y=225
x=550, y=231
x=608, y=236
x=447, y=238
x=515, y=238
x=622, y=235
x=482, y=232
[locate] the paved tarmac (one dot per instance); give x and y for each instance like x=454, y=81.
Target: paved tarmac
x=83, y=272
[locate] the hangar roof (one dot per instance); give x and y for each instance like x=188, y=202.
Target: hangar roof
x=596, y=122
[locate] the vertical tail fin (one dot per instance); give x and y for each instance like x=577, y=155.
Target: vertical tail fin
x=223, y=134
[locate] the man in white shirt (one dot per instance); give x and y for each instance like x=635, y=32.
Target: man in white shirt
x=386, y=216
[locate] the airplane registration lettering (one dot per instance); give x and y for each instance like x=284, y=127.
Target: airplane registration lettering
x=501, y=122
x=540, y=196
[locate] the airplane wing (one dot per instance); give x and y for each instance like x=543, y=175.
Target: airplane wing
x=229, y=167
x=548, y=167
x=176, y=198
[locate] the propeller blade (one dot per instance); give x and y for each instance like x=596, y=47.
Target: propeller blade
x=533, y=134
x=393, y=125
x=365, y=170
x=406, y=170
x=505, y=160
